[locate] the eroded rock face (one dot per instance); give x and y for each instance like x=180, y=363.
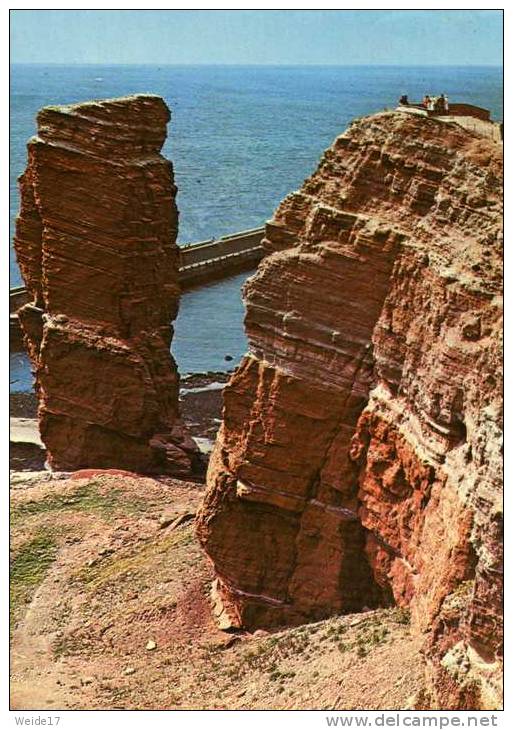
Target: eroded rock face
x=96, y=245
x=359, y=458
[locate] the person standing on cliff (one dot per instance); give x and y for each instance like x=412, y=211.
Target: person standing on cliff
x=442, y=104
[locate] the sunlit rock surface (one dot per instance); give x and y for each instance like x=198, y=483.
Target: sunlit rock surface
x=96, y=245
x=359, y=460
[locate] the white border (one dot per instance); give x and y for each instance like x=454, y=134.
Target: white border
x=234, y=719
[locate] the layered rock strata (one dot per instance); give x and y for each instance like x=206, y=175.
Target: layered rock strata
x=96, y=245
x=359, y=458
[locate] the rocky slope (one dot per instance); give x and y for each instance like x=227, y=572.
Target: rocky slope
x=110, y=610
x=359, y=459
x=96, y=245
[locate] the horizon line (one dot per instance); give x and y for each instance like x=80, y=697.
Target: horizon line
x=261, y=65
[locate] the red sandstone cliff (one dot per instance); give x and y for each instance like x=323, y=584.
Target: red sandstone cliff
x=359, y=459
x=96, y=245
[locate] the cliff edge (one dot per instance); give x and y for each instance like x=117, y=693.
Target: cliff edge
x=359, y=459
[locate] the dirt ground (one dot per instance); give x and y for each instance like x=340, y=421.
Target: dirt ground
x=110, y=610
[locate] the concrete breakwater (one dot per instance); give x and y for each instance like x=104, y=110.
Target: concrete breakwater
x=208, y=260
x=200, y=263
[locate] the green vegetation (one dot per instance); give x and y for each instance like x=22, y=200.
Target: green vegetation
x=401, y=615
x=102, y=573
x=266, y=655
x=269, y=656
x=28, y=569
x=368, y=634
x=464, y=590
x=87, y=498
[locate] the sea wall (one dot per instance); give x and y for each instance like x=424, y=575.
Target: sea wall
x=198, y=264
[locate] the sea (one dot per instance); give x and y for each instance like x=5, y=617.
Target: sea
x=240, y=138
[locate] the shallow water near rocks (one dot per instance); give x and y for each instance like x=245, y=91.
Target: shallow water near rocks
x=209, y=327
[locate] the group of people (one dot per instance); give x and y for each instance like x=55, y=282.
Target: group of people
x=438, y=104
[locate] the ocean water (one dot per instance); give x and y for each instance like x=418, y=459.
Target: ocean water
x=240, y=138
x=208, y=330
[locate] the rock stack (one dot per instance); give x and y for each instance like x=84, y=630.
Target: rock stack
x=96, y=245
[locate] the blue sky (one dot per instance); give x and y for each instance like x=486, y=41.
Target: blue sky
x=340, y=37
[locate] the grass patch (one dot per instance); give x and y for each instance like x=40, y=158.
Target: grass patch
x=267, y=656
x=401, y=616
x=113, y=567
x=27, y=571
x=372, y=631
x=86, y=498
